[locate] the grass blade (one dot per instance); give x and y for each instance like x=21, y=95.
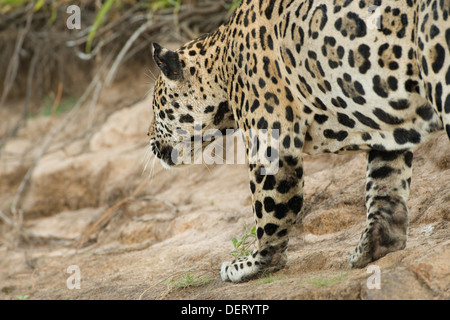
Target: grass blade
x=97, y=22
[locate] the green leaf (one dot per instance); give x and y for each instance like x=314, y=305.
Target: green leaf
x=97, y=22
x=38, y=5
x=53, y=15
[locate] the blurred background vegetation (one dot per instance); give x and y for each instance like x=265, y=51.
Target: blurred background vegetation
x=71, y=79
x=41, y=59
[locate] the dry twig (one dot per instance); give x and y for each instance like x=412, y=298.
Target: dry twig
x=17, y=213
x=106, y=217
x=23, y=118
x=5, y=218
x=126, y=47
x=13, y=66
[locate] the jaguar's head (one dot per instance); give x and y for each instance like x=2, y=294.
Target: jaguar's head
x=189, y=99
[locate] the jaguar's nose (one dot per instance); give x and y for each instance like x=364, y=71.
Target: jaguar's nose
x=168, y=156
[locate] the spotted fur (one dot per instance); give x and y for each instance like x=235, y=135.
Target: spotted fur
x=332, y=78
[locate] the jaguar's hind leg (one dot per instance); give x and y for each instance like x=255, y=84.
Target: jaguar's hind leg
x=387, y=190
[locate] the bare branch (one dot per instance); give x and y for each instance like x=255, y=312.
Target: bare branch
x=6, y=219
x=126, y=47
x=13, y=66
x=23, y=118
x=14, y=208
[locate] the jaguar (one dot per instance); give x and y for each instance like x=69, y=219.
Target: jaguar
x=336, y=76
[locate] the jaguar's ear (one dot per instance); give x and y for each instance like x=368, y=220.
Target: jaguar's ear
x=168, y=61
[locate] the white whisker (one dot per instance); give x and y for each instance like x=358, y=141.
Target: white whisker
x=152, y=169
x=151, y=75
x=148, y=155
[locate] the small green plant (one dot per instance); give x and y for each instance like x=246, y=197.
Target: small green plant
x=242, y=246
x=64, y=105
x=165, y=4
x=268, y=278
x=25, y=297
x=322, y=282
x=189, y=281
x=98, y=21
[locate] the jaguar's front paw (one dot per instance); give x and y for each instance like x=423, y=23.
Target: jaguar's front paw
x=224, y=270
x=241, y=269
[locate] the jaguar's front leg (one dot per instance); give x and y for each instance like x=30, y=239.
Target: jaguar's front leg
x=387, y=190
x=277, y=193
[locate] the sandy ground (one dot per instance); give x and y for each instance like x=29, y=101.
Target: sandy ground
x=96, y=227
